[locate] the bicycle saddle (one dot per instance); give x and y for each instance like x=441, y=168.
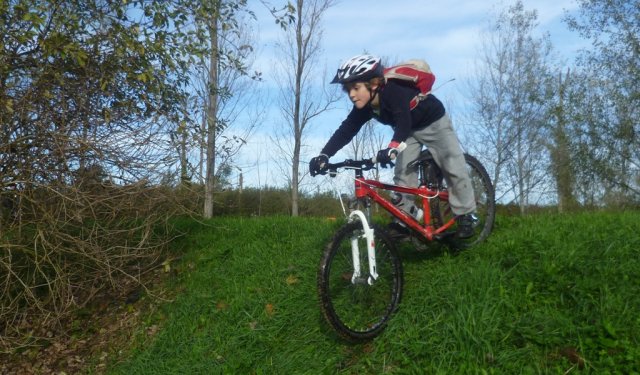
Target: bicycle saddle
x=424, y=157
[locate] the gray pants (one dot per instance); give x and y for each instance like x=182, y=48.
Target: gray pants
x=443, y=143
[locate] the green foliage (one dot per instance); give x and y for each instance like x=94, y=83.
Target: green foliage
x=545, y=294
x=606, y=99
x=88, y=93
x=263, y=201
x=274, y=201
x=100, y=82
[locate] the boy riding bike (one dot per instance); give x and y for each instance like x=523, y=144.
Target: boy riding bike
x=390, y=103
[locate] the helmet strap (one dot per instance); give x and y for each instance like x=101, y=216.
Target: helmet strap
x=373, y=94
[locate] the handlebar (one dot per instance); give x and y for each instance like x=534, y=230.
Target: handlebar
x=363, y=165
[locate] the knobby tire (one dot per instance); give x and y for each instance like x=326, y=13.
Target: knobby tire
x=359, y=312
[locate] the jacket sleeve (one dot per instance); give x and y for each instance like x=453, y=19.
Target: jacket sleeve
x=347, y=130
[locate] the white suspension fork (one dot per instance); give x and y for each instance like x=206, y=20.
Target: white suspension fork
x=355, y=250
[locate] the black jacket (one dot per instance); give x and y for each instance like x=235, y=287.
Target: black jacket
x=394, y=111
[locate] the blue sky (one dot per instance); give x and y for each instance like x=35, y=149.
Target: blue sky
x=446, y=33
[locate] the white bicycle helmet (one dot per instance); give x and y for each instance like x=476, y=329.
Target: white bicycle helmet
x=360, y=68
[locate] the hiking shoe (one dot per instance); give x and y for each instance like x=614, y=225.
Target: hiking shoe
x=466, y=225
x=397, y=230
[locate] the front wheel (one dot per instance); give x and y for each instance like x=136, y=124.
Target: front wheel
x=359, y=309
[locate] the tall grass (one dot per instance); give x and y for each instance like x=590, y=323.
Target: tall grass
x=545, y=294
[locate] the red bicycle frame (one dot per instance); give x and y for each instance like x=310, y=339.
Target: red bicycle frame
x=366, y=188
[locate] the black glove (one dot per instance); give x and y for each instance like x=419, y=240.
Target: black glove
x=318, y=165
x=386, y=156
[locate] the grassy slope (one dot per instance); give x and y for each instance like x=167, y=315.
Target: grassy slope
x=545, y=294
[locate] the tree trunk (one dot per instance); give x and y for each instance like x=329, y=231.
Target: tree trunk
x=212, y=110
x=298, y=104
x=297, y=126
x=560, y=154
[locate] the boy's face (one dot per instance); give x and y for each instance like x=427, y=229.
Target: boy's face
x=358, y=93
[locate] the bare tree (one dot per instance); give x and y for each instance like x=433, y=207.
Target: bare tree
x=224, y=81
x=238, y=108
x=509, y=103
x=299, y=93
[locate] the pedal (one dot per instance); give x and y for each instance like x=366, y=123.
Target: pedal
x=400, y=237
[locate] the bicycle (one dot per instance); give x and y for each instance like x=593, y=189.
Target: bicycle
x=360, y=277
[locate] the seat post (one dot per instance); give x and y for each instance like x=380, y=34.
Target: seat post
x=421, y=163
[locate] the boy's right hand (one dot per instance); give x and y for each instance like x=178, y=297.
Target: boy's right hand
x=318, y=165
x=386, y=157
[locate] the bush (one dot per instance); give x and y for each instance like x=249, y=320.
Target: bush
x=61, y=245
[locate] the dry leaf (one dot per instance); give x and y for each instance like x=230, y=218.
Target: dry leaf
x=573, y=356
x=167, y=266
x=152, y=330
x=292, y=279
x=269, y=309
x=221, y=306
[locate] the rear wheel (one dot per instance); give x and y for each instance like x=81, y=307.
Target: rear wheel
x=356, y=309
x=484, y=196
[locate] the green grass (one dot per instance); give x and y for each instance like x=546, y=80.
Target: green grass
x=545, y=294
